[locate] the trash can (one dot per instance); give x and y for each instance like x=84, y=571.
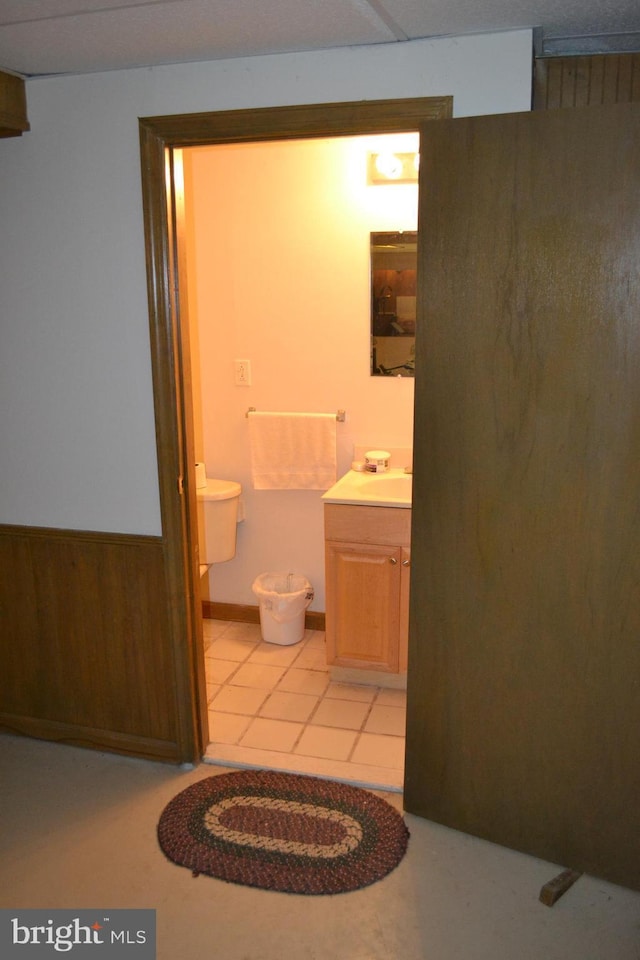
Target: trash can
x=283, y=599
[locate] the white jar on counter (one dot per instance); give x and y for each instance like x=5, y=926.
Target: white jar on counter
x=377, y=461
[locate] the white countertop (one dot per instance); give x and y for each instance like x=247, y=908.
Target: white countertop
x=390, y=489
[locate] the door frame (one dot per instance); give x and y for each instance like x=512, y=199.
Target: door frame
x=161, y=139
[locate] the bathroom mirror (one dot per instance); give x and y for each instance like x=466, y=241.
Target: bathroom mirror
x=394, y=263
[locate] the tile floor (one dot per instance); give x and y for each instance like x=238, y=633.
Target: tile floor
x=276, y=706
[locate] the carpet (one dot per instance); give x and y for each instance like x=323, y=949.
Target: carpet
x=283, y=831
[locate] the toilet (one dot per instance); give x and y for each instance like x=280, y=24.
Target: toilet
x=217, y=502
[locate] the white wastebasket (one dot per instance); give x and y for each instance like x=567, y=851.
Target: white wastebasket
x=283, y=599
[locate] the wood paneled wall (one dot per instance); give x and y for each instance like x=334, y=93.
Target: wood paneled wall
x=586, y=81
x=13, y=106
x=85, y=648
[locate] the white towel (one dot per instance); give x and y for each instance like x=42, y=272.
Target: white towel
x=293, y=451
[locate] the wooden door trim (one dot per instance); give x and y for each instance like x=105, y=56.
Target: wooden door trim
x=159, y=138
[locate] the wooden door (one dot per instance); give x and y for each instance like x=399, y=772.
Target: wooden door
x=524, y=679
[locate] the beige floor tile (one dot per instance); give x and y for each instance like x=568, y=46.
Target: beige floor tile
x=226, y=727
x=231, y=648
x=233, y=699
x=389, y=720
x=379, y=751
x=315, y=639
x=219, y=671
x=275, y=655
x=360, y=774
x=289, y=706
x=313, y=682
x=391, y=698
x=258, y=675
x=277, y=735
x=211, y=629
x=312, y=658
x=347, y=714
x=249, y=632
x=351, y=691
x=269, y=700
x=325, y=742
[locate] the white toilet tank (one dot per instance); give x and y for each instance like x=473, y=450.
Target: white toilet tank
x=217, y=520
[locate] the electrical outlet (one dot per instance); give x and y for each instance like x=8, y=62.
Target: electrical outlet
x=242, y=370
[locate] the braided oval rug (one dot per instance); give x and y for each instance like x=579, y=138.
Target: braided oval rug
x=283, y=831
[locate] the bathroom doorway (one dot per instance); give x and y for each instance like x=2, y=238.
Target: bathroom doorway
x=161, y=141
x=278, y=237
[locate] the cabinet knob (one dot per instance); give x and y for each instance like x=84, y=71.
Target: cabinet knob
x=406, y=563
x=392, y=561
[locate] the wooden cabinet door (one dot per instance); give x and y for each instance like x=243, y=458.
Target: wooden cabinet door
x=363, y=605
x=524, y=661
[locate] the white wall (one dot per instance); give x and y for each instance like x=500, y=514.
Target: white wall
x=77, y=431
x=279, y=275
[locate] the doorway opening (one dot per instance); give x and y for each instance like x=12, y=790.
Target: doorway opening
x=162, y=139
x=278, y=263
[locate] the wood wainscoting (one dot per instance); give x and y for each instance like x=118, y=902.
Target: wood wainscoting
x=583, y=81
x=85, y=641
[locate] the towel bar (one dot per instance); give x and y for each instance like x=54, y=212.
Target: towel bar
x=341, y=415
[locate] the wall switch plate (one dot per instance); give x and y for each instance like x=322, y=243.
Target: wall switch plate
x=242, y=371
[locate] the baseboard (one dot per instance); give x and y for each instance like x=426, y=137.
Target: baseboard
x=376, y=678
x=88, y=737
x=247, y=613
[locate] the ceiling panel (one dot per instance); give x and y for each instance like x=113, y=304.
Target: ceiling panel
x=78, y=36
x=15, y=11
x=183, y=30
x=564, y=18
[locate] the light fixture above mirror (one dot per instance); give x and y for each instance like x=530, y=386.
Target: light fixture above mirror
x=392, y=167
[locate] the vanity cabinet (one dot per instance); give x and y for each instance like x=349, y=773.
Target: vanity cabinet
x=367, y=561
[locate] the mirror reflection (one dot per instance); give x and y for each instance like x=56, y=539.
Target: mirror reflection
x=394, y=263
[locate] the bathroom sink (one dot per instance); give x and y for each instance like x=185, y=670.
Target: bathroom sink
x=387, y=487
x=392, y=489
